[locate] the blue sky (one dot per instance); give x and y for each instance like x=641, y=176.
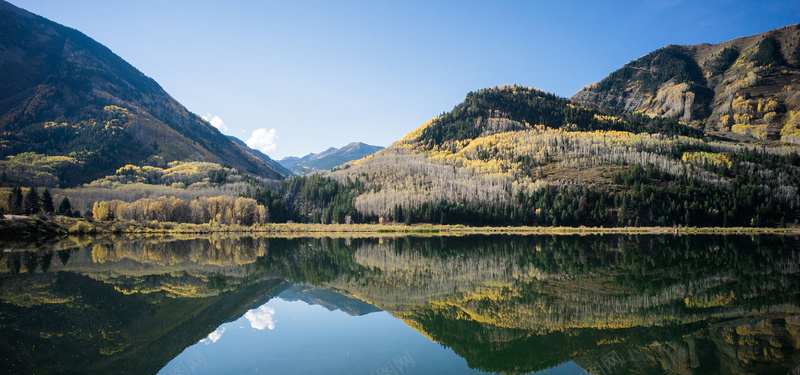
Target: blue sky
x=303, y=76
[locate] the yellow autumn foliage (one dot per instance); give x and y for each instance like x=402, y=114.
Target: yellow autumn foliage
x=607, y=119
x=700, y=158
x=725, y=121
x=750, y=79
x=416, y=133
x=791, y=131
x=494, y=168
x=176, y=171
x=756, y=131
x=225, y=210
x=116, y=110
x=702, y=302
x=35, y=169
x=767, y=105
x=742, y=118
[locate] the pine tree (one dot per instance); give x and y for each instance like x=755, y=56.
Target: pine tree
x=65, y=207
x=47, y=202
x=15, y=201
x=31, y=203
x=768, y=52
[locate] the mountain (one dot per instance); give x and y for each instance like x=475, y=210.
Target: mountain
x=745, y=89
x=329, y=158
x=514, y=155
x=264, y=157
x=327, y=299
x=80, y=112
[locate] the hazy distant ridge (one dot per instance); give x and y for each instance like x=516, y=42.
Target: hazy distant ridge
x=329, y=158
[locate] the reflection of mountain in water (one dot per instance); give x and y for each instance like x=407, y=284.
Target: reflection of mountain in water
x=190, y=266
x=327, y=299
x=113, y=306
x=611, y=304
x=694, y=304
x=87, y=326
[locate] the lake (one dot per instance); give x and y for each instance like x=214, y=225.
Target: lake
x=480, y=304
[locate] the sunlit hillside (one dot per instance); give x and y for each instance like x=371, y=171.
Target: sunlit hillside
x=744, y=89
x=516, y=155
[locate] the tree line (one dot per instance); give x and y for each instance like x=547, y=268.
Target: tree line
x=214, y=210
x=312, y=199
x=31, y=203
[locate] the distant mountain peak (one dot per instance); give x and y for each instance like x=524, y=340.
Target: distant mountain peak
x=329, y=158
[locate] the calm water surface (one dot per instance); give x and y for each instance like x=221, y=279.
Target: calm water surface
x=409, y=305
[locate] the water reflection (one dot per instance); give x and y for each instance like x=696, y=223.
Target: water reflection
x=213, y=336
x=310, y=339
x=497, y=304
x=261, y=318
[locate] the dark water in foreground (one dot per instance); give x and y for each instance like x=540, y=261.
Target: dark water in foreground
x=476, y=304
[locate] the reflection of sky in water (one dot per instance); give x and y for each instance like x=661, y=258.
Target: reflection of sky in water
x=261, y=318
x=312, y=340
x=213, y=336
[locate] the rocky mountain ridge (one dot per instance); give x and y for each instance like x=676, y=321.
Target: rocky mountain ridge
x=746, y=88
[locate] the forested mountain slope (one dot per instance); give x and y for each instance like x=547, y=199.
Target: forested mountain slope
x=691, y=136
x=747, y=88
x=274, y=164
x=76, y=111
x=516, y=155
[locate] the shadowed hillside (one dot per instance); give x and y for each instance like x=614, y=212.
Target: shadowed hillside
x=82, y=112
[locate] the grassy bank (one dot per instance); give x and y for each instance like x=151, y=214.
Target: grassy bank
x=22, y=226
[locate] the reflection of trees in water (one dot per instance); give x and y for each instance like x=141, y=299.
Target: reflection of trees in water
x=211, y=250
x=200, y=266
x=14, y=262
x=63, y=256
x=505, y=303
x=31, y=261
x=78, y=324
x=520, y=303
x=553, y=283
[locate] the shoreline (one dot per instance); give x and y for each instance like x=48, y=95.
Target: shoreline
x=23, y=226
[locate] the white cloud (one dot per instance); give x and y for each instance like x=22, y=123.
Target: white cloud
x=216, y=122
x=214, y=336
x=262, y=140
x=261, y=318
